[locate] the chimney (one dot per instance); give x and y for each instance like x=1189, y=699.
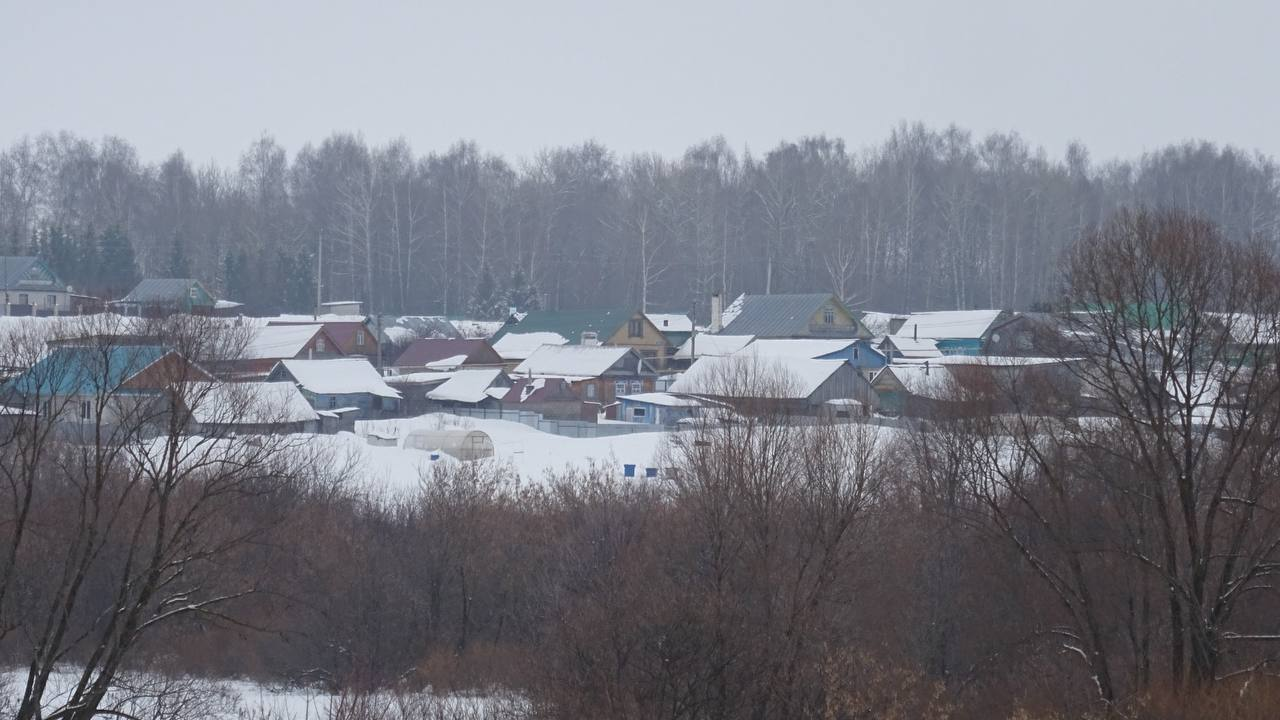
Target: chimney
x=589, y=338
x=895, y=324
x=717, y=313
x=915, y=331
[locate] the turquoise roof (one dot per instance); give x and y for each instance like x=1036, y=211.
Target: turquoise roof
x=85, y=370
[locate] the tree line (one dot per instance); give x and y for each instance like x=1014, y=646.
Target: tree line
x=923, y=219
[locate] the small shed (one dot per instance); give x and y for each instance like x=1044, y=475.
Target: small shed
x=459, y=443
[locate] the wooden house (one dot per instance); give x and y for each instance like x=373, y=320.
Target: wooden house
x=161, y=297
x=339, y=384
x=597, y=374
x=30, y=287
x=814, y=315
x=763, y=384
x=445, y=354
x=269, y=345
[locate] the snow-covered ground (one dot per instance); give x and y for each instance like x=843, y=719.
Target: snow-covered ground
x=530, y=452
x=151, y=695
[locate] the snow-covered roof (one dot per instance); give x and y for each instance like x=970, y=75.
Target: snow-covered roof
x=469, y=386
x=707, y=345
x=663, y=399
x=924, y=380
x=447, y=363
x=571, y=360
x=910, y=347
x=341, y=376
x=298, y=319
x=800, y=348
x=949, y=324
x=670, y=322
x=226, y=304
x=732, y=310
x=1248, y=329
x=478, y=328
x=264, y=403
x=279, y=341
x=878, y=322
x=744, y=376
x=518, y=346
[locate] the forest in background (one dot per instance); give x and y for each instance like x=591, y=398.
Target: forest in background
x=925, y=219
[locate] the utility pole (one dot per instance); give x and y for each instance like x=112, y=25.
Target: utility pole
x=315, y=311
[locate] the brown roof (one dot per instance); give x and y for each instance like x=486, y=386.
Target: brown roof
x=421, y=352
x=544, y=389
x=343, y=333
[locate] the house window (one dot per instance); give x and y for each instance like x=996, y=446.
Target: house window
x=45, y=407
x=620, y=387
x=86, y=410
x=855, y=352
x=638, y=413
x=333, y=401
x=22, y=298
x=637, y=386
x=51, y=301
x=360, y=338
x=635, y=328
x=591, y=391
x=828, y=316
x=320, y=345
x=191, y=292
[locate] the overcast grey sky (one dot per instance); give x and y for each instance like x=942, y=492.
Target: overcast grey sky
x=522, y=75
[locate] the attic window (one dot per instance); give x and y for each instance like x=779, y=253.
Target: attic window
x=192, y=292
x=635, y=328
x=320, y=344
x=828, y=316
x=359, y=337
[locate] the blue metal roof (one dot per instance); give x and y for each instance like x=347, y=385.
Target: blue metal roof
x=85, y=370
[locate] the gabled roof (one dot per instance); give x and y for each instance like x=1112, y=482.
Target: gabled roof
x=468, y=386
x=340, y=376
x=671, y=322
x=163, y=290
x=263, y=403
x=878, y=322
x=783, y=316
x=28, y=273
x=86, y=369
x=950, y=324
x=584, y=361
x=280, y=341
x=921, y=379
x=520, y=345
x=533, y=390
x=425, y=352
x=570, y=324
x=745, y=376
x=909, y=347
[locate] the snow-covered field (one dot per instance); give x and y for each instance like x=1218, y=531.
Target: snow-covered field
x=530, y=452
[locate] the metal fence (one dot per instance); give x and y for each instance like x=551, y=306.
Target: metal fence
x=566, y=428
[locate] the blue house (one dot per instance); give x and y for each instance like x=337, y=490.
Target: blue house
x=340, y=384
x=868, y=360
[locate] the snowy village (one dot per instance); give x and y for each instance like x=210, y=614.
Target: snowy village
x=573, y=360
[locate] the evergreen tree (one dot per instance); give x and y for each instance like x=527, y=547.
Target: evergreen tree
x=86, y=265
x=118, y=268
x=521, y=294
x=179, y=267
x=486, y=301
